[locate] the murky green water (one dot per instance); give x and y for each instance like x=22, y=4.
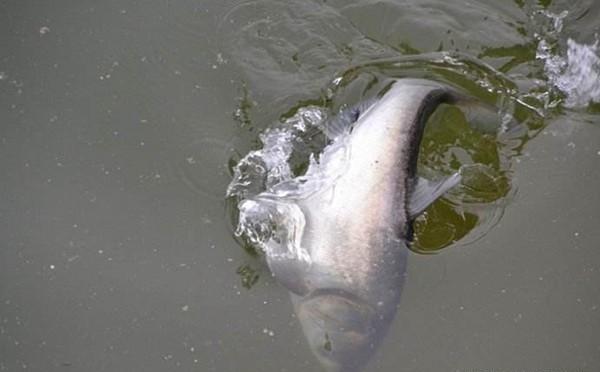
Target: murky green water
x=120, y=121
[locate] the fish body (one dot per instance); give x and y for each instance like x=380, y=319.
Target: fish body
x=355, y=230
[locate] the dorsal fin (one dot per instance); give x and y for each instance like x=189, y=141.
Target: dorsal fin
x=342, y=123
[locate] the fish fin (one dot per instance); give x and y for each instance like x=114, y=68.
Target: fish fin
x=425, y=192
x=342, y=123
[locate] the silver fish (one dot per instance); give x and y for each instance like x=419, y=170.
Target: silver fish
x=352, y=233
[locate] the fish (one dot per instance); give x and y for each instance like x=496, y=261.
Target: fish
x=342, y=252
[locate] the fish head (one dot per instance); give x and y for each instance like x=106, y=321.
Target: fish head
x=342, y=330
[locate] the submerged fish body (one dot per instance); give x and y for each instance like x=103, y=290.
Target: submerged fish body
x=351, y=234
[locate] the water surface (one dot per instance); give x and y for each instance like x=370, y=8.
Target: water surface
x=120, y=123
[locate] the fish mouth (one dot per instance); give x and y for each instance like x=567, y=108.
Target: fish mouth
x=340, y=328
x=339, y=309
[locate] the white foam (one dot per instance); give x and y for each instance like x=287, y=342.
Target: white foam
x=266, y=188
x=576, y=75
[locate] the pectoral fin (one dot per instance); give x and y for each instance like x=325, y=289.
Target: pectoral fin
x=426, y=192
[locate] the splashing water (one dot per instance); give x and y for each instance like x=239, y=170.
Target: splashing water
x=266, y=187
x=263, y=169
x=268, y=181
x=576, y=75
x=295, y=162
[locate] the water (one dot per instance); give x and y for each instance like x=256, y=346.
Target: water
x=121, y=123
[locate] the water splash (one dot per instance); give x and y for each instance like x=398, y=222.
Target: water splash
x=576, y=72
x=282, y=147
x=577, y=75
x=294, y=162
x=265, y=185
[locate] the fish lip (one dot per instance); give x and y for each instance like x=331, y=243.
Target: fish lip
x=342, y=336
x=331, y=321
x=338, y=292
